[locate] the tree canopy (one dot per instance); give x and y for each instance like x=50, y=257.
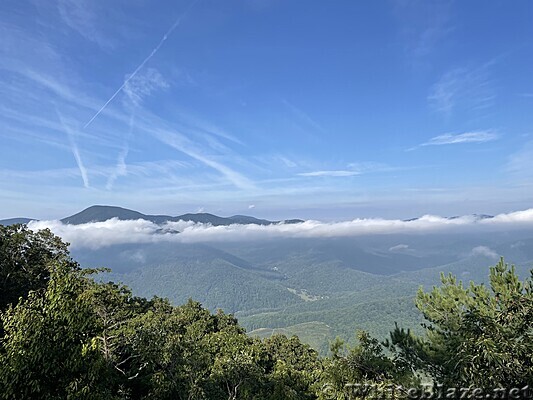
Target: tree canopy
x=26, y=258
x=476, y=335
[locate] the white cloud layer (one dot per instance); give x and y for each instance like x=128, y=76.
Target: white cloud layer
x=114, y=231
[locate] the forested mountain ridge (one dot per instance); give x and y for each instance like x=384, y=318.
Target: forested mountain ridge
x=98, y=213
x=13, y=221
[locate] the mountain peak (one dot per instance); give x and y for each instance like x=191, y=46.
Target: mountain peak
x=101, y=213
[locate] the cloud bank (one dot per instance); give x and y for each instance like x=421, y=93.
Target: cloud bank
x=114, y=231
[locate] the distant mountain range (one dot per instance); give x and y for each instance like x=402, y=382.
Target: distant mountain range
x=475, y=216
x=99, y=213
x=13, y=221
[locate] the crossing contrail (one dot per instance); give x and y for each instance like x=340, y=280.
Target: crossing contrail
x=154, y=51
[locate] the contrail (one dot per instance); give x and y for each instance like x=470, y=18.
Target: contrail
x=75, y=150
x=154, y=51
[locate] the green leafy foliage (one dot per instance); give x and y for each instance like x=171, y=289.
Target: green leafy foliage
x=46, y=349
x=25, y=261
x=365, y=370
x=293, y=369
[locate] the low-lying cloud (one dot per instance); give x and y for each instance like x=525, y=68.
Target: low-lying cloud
x=114, y=231
x=399, y=247
x=484, y=251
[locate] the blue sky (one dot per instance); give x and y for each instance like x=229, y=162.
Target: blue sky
x=279, y=109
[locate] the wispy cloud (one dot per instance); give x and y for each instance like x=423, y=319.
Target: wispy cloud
x=199, y=124
x=152, y=169
x=121, y=168
x=336, y=173
x=467, y=137
x=144, y=172
x=182, y=144
x=113, y=231
x=81, y=16
x=136, y=89
x=369, y=166
x=51, y=84
x=29, y=135
x=20, y=48
x=353, y=169
x=143, y=84
x=286, y=161
x=520, y=163
x=47, y=90
x=24, y=126
x=41, y=174
x=463, y=89
x=143, y=63
x=303, y=117
x=423, y=25
x=199, y=138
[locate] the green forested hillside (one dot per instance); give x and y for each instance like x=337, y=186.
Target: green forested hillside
x=222, y=284
x=280, y=284
x=468, y=269
x=375, y=317
x=316, y=334
x=277, y=294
